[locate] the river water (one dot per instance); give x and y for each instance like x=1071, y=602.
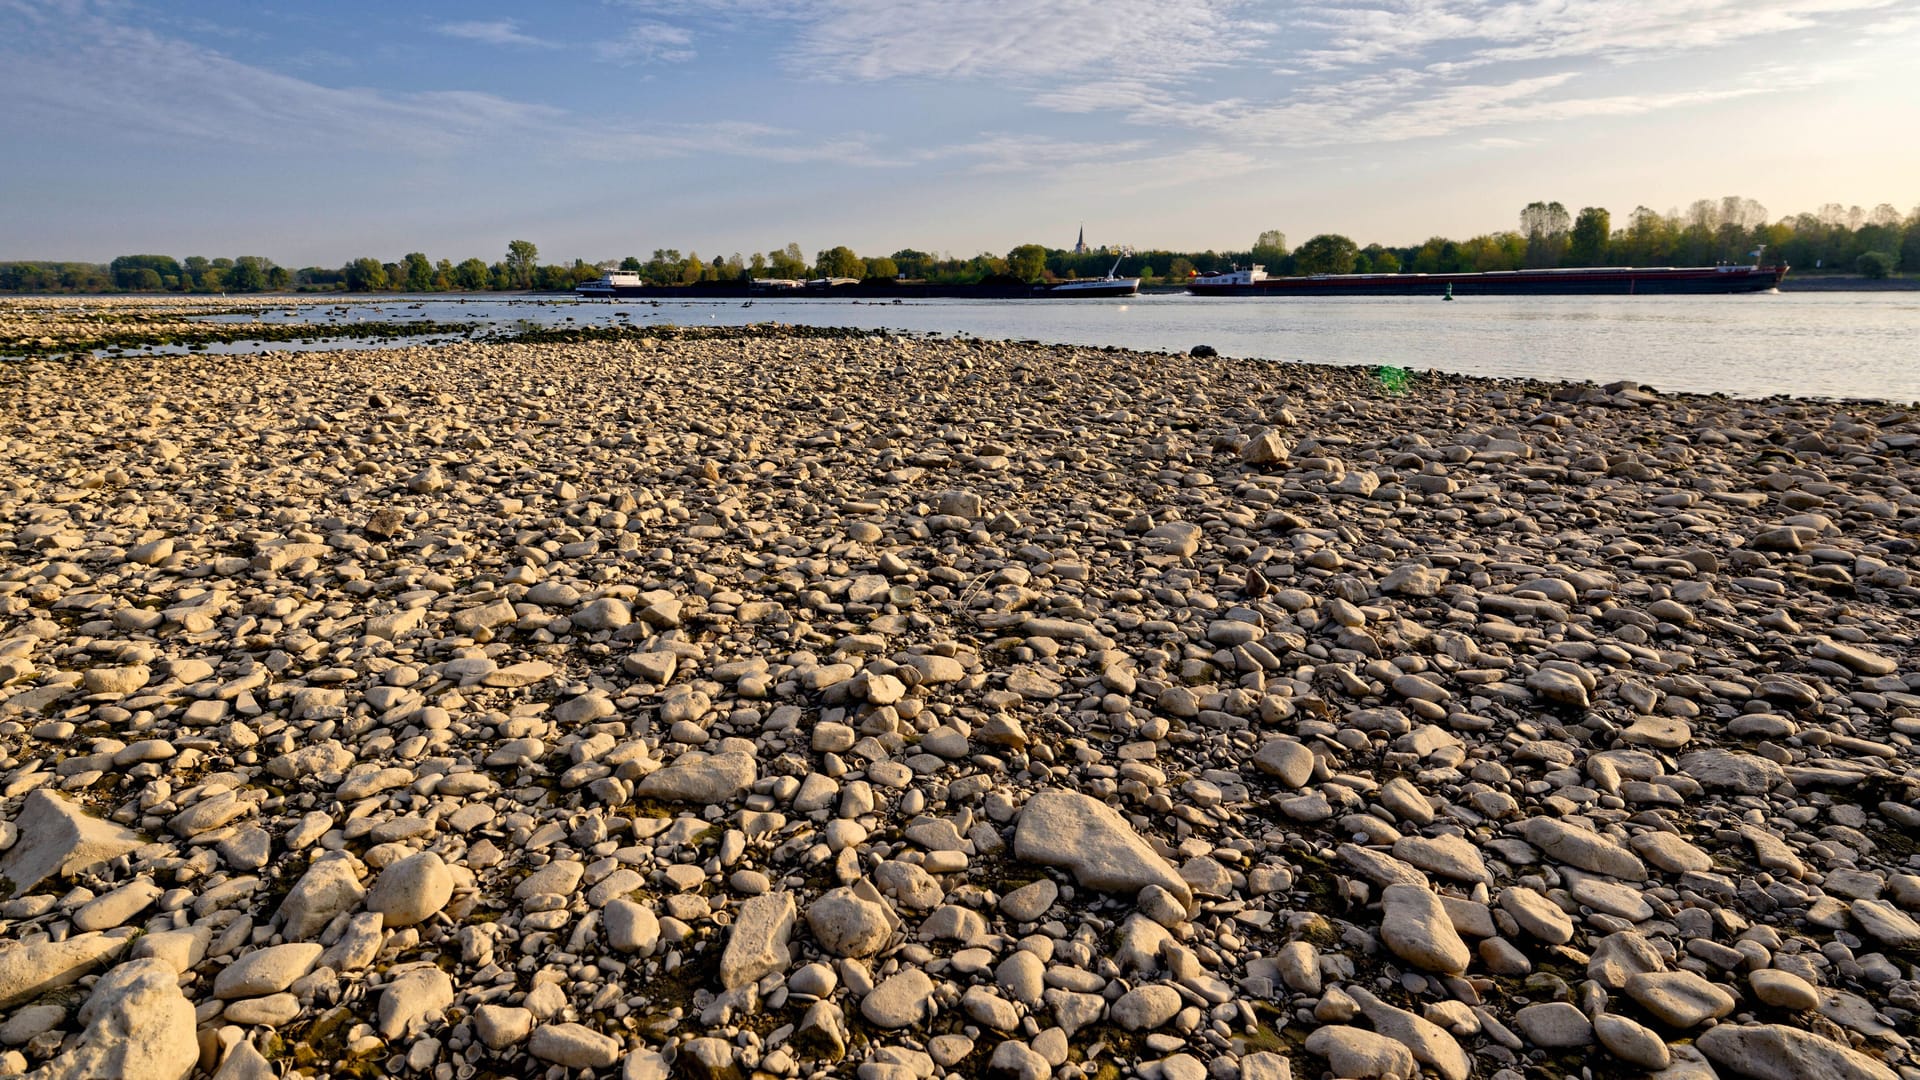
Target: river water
x=1825, y=344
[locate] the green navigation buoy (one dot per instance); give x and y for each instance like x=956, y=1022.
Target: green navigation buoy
x=1449, y=295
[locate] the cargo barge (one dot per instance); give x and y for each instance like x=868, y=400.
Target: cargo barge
x=1579, y=281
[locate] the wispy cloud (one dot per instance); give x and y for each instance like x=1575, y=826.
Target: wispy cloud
x=168, y=90
x=492, y=32
x=1022, y=40
x=1472, y=32
x=648, y=42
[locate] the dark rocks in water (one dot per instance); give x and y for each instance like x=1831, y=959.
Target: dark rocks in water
x=1203, y=351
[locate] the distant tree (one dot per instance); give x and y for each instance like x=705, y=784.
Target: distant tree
x=786, y=263
x=1180, y=269
x=1027, y=262
x=914, y=264
x=249, y=274
x=278, y=278
x=1328, y=253
x=470, y=274
x=1270, y=248
x=125, y=270
x=757, y=266
x=416, y=272
x=839, y=262
x=883, y=267
x=522, y=257
x=365, y=275
x=1545, y=225
x=143, y=279
x=631, y=262
x=1875, y=264
x=1378, y=260
x=1591, y=230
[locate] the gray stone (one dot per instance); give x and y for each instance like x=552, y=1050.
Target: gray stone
x=413, y=999
x=1584, y=848
x=701, y=779
x=1356, y=1054
x=1415, y=926
x=58, y=839
x=1783, y=989
x=138, y=1027
x=574, y=1045
x=757, y=944
x=901, y=1001
x=1679, y=998
x=1725, y=770
x=848, y=924
x=1430, y=1043
x=330, y=886
x=1778, y=1052
x=27, y=971
x=1554, y=1025
x=1631, y=1042
x=1145, y=1008
x=1066, y=828
x=266, y=971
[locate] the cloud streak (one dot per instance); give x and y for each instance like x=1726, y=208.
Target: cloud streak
x=492, y=32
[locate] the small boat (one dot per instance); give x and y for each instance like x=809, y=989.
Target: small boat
x=613, y=283
x=1100, y=286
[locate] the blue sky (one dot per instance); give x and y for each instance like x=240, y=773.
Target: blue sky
x=313, y=134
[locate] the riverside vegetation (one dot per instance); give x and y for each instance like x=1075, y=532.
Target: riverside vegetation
x=791, y=702
x=1873, y=244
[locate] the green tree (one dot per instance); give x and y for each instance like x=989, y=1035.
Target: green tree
x=631, y=262
x=470, y=274
x=1328, y=253
x=126, y=269
x=416, y=273
x=786, y=263
x=365, y=275
x=249, y=274
x=1545, y=226
x=1270, y=248
x=1027, y=262
x=278, y=278
x=883, y=267
x=1587, y=246
x=522, y=258
x=1379, y=260
x=1875, y=264
x=914, y=264
x=757, y=266
x=839, y=262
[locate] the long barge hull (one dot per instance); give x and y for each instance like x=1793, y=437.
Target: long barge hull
x=1702, y=281
x=731, y=290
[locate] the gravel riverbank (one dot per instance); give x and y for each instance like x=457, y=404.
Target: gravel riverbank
x=795, y=703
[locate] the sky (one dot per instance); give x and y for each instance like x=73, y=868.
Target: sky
x=317, y=133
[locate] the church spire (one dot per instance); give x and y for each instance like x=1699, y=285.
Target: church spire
x=1080, y=245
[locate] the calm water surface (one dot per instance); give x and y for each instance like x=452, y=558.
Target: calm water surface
x=1836, y=345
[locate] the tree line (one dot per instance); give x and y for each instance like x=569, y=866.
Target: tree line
x=1875, y=243
x=1733, y=229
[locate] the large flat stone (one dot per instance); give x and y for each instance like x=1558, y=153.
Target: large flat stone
x=59, y=839
x=1085, y=835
